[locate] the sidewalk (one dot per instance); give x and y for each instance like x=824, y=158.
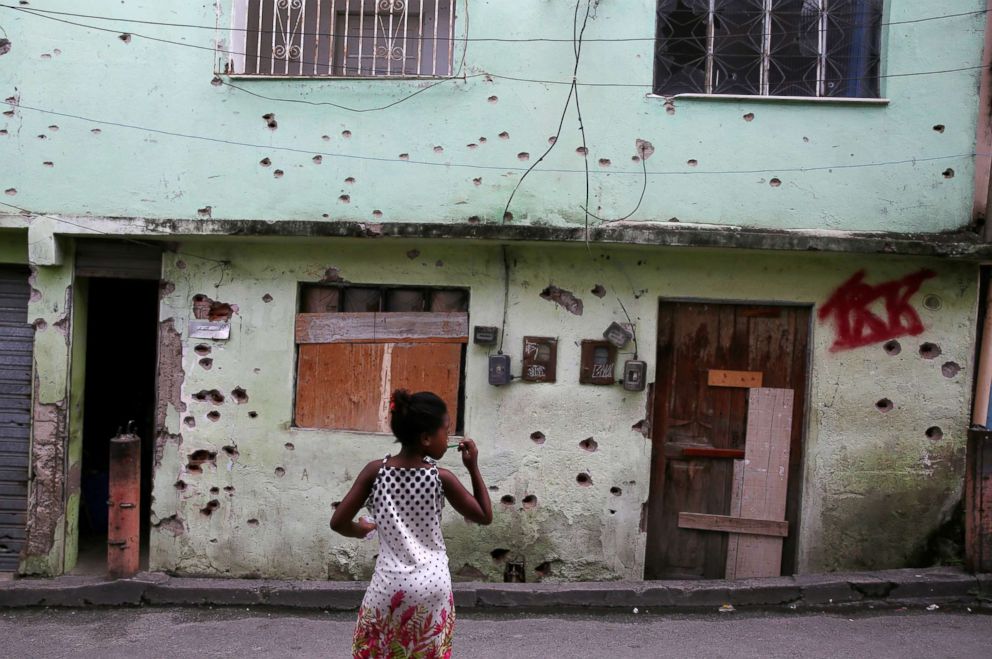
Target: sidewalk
x=887, y=588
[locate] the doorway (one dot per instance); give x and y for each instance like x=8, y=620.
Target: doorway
x=693, y=338
x=121, y=360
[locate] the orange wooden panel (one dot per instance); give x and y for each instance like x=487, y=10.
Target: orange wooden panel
x=339, y=386
x=428, y=367
x=739, y=379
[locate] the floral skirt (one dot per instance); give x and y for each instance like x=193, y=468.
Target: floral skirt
x=404, y=631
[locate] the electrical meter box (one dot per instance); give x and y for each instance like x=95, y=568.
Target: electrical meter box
x=634, y=374
x=499, y=370
x=483, y=335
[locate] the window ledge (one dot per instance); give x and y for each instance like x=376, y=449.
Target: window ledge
x=816, y=100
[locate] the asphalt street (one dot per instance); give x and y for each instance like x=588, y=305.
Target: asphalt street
x=237, y=632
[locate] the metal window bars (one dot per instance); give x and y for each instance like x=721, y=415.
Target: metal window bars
x=349, y=38
x=769, y=47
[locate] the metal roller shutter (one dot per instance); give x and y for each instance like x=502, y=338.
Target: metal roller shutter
x=16, y=346
x=120, y=259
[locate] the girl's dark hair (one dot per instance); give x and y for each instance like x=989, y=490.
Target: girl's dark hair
x=412, y=415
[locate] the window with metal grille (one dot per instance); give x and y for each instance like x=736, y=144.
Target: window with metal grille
x=818, y=48
x=346, y=38
x=357, y=344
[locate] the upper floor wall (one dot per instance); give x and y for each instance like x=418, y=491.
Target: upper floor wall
x=140, y=116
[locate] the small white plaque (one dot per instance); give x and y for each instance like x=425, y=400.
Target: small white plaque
x=210, y=329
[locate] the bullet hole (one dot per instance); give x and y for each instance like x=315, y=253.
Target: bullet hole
x=214, y=416
x=205, y=212
x=507, y=500
x=198, y=458
x=181, y=264
x=43, y=137
x=932, y=302
x=929, y=350
x=215, y=490
x=377, y=214
x=939, y=128
x=206, y=363
x=472, y=147
x=499, y=554
x=589, y=444
x=345, y=199
x=412, y=254
x=806, y=140
x=884, y=405
x=493, y=99
x=253, y=414
x=439, y=263
x=643, y=148
x=477, y=181
x=605, y=162
x=564, y=299
x=599, y=290
x=616, y=491
x=584, y=479
x=350, y=180
x=613, y=512
x=692, y=162
x=346, y=134
x=5, y=46
x=582, y=151
x=212, y=395
x=53, y=128
x=46, y=56
x=202, y=349
x=10, y=192
x=239, y=395
x=494, y=488
x=216, y=81
x=530, y=502
x=278, y=173
x=229, y=489
x=948, y=173
x=48, y=163
x=324, y=215
x=523, y=155
x=270, y=121
x=96, y=131
x=211, y=506
x=318, y=159
x=635, y=159
x=280, y=472
x=180, y=485
x=438, y=149
x=504, y=135
x=475, y=219
x=775, y=182
x=537, y=437
x=404, y=156
x=252, y=522
x=231, y=451
x=266, y=298
x=749, y=116
x=126, y=38
x=935, y=433
x=3, y=132
x=950, y=369
x=641, y=427
x=892, y=348
x=483, y=140
x=289, y=446
x=40, y=325
x=326, y=138
x=190, y=422
x=507, y=216
x=543, y=570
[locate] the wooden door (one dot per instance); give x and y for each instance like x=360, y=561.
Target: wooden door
x=691, y=418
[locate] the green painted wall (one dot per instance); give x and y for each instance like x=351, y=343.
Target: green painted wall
x=459, y=167
x=875, y=485
x=13, y=247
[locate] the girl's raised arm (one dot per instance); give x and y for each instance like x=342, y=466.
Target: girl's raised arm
x=342, y=521
x=476, y=506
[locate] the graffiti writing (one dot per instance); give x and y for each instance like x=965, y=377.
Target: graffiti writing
x=864, y=314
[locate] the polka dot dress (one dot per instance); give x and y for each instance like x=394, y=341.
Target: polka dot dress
x=408, y=604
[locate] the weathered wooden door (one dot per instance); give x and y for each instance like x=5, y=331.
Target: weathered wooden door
x=698, y=427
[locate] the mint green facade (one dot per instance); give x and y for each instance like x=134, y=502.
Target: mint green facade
x=146, y=140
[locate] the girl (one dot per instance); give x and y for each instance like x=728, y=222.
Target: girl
x=408, y=610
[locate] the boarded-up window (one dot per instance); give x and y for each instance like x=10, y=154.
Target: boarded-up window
x=382, y=339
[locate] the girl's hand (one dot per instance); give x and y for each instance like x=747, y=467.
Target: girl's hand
x=365, y=526
x=470, y=453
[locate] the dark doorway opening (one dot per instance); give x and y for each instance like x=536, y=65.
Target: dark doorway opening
x=121, y=361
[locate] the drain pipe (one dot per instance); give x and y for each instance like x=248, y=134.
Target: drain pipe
x=983, y=381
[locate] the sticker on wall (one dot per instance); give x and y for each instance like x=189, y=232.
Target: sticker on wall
x=540, y=359
x=599, y=362
x=210, y=329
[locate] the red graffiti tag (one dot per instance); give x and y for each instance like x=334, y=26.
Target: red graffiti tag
x=857, y=325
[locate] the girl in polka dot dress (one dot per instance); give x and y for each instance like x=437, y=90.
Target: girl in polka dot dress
x=408, y=610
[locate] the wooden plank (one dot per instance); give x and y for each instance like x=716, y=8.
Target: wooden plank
x=381, y=327
x=733, y=540
x=978, y=501
x=735, y=525
x=737, y=379
x=427, y=367
x=339, y=386
x=765, y=479
x=706, y=452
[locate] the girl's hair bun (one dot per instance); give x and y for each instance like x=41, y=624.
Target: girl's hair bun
x=400, y=401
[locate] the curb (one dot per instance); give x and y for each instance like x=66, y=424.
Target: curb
x=887, y=588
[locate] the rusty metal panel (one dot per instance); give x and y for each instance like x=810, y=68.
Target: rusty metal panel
x=16, y=346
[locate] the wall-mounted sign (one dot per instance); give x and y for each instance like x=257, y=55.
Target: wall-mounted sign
x=210, y=329
x=540, y=359
x=599, y=362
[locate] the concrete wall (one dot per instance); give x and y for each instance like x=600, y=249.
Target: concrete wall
x=875, y=484
x=459, y=167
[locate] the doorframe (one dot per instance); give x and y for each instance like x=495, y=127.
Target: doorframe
x=791, y=546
